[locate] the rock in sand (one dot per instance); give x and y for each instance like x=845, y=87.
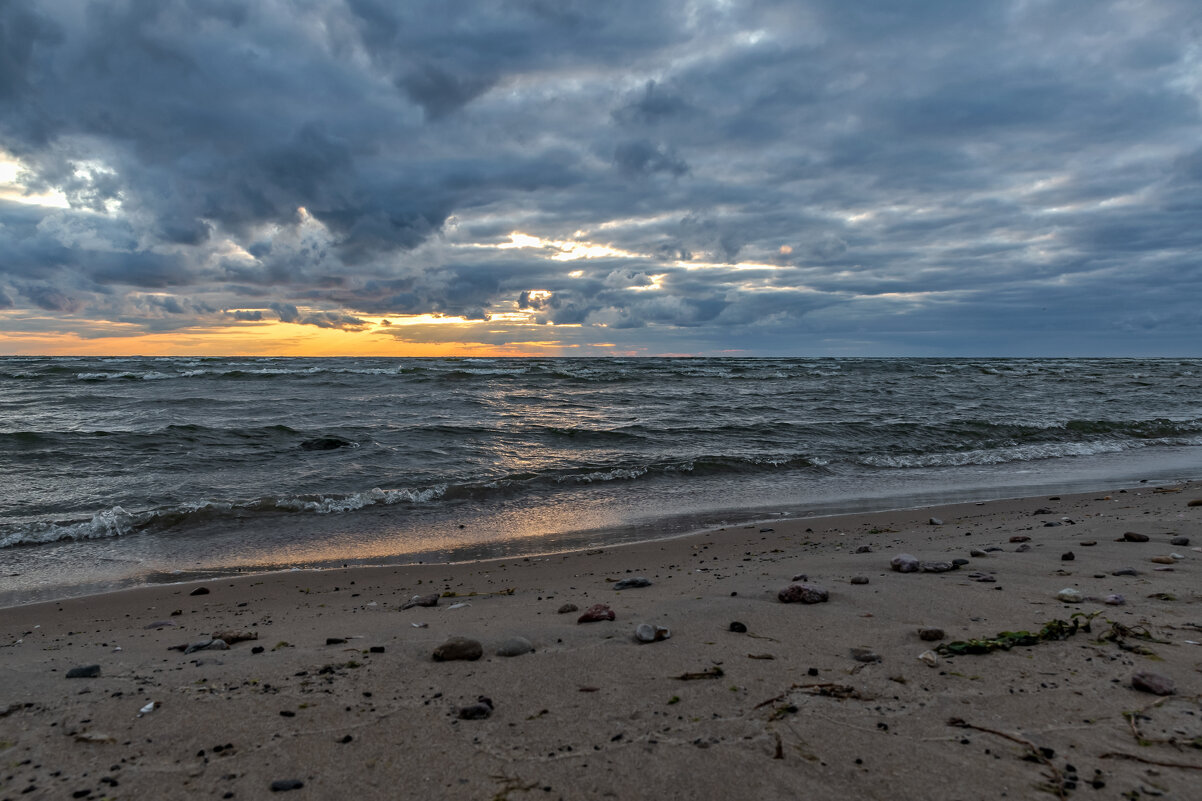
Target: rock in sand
x=458, y=648
x=803, y=593
x=904, y=563
x=515, y=646
x=566, y=608
x=1132, y=536
x=596, y=613
x=1155, y=683
x=646, y=632
x=477, y=711
x=1070, y=596
x=930, y=634
x=632, y=582
x=85, y=672
x=421, y=600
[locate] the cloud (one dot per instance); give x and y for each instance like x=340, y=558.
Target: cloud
x=766, y=175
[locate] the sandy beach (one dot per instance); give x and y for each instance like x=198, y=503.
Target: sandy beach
x=338, y=695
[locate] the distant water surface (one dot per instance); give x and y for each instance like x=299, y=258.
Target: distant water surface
x=119, y=471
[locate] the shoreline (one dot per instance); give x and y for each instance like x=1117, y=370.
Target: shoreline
x=346, y=698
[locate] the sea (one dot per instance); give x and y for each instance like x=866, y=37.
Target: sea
x=119, y=472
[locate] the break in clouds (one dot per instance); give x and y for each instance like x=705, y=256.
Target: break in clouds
x=813, y=177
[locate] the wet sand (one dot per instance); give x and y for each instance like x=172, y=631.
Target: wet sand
x=340, y=693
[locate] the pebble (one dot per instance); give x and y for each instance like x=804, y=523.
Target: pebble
x=85, y=672
x=207, y=644
x=458, y=648
x=936, y=567
x=1195, y=502
x=859, y=579
x=959, y=562
x=1020, y=538
x=931, y=634
x=984, y=578
x=1125, y=571
x=1155, y=683
x=595, y=613
x=1070, y=596
x=904, y=563
x=800, y=577
x=477, y=711
x=515, y=646
x=929, y=657
x=868, y=549
x=200, y=591
x=994, y=549
x=1089, y=543
x=803, y=593
x=934, y=521
x=232, y=636
x=1052, y=523
x=421, y=600
x=284, y=785
x=335, y=640
x=632, y=582
x=977, y=553
x=865, y=655
x=738, y=628
x=1176, y=556
x=1067, y=556
x=1114, y=599
x=566, y=608
x=1131, y=536
x=1026, y=546
x=1163, y=560
x=646, y=632
x=1182, y=541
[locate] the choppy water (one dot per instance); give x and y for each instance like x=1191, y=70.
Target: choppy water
x=122, y=469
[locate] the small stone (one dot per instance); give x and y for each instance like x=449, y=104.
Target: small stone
x=376, y=649
x=936, y=567
x=859, y=579
x=1163, y=560
x=1067, y=556
x=977, y=553
x=632, y=582
x=865, y=655
x=738, y=628
x=85, y=672
x=1132, y=536
x=335, y=640
x=595, y=613
x=1177, y=556
x=1155, y=683
x=1195, y=502
x=994, y=549
x=1089, y=543
x=1125, y=571
x=458, y=648
x=931, y=634
x=200, y=591
x=421, y=600
x=803, y=593
x=930, y=658
x=1070, y=596
x=864, y=549
x=207, y=644
x=566, y=608
x=1052, y=523
x=515, y=646
x=646, y=632
x=904, y=563
x=477, y=711
x=1181, y=541
x=232, y=636
x=984, y=578
x=1114, y=599
x=284, y=785
x=1043, y=511
x=800, y=577
x=1026, y=546
x=959, y=562
x=258, y=649
x=1020, y=538
x=934, y=521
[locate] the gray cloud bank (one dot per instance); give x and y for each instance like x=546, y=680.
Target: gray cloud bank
x=811, y=176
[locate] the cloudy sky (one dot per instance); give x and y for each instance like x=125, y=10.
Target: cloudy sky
x=574, y=177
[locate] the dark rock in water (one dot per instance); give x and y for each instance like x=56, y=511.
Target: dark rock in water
x=284, y=785
x=803, y=593
x=1125, y=571
x=458, y=648
x=200, y=591
x=936, y=567
x=1067, y=556
x=421, y=600
x=738, y=628
x=1132, y=536
x=904, y=563
x=1182, y=541
x=596, y=613
x=86, y=672
x=566, y=608
x=865, y=655
x=632, y=582
x=930, y=634
x=864, y=549
x=859, y=579
x=1155, y=683
x=515, y=646
x=325, y=444
x=646, y=632
x=1020, y=538
x=477, y=711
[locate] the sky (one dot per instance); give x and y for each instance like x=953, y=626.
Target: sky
x=573, y=177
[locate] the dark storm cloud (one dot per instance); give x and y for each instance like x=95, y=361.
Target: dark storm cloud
x=769, y=175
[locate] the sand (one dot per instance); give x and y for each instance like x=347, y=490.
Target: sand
x=781, y=711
